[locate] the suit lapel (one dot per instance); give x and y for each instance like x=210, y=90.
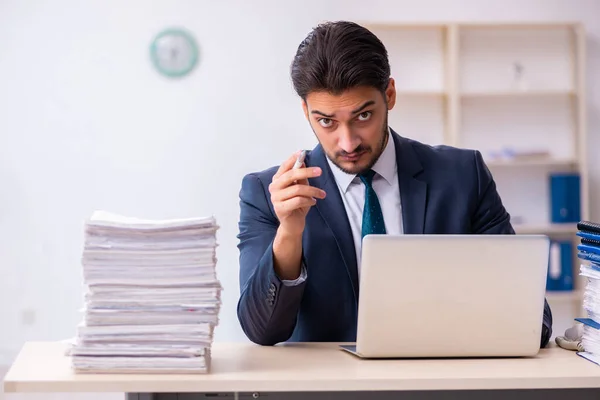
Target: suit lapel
x=413, y=192
x=333, y=212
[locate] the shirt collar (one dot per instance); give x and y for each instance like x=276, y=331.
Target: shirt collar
x=385, y=166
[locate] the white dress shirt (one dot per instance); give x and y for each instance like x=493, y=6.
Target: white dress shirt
x=352, y=191
x=385, y=184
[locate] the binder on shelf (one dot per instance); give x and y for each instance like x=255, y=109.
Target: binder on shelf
x=565, y=202
x=560, y=267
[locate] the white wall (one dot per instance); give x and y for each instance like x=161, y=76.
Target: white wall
x=86, y=123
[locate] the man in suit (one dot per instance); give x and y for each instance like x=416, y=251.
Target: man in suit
x=300, y=230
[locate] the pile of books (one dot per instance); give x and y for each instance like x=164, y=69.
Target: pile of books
x=152, y=296
x=589, y=252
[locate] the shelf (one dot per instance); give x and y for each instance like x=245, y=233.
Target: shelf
x=503, y=127
x=545, y=229
x=515, y=92
x=415, y=51
x=488, y=25
x=519, y=25
x=518, y=93
x=376, y=25
x=566, y=296
x=492, y=61
x=551, y=162
x=421, y=114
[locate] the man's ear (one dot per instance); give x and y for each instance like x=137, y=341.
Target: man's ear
x=390, y=94
x=305, y=109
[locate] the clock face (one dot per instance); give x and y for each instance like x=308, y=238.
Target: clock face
x=174, y=53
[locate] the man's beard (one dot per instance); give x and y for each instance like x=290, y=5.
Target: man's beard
x=374, y=154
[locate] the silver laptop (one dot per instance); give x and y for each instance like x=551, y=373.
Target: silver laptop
x=451, y=296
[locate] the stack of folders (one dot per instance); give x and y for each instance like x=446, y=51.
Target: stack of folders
x=589, y=253
x=152, y=296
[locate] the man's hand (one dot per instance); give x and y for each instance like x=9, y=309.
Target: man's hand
x=292, y=198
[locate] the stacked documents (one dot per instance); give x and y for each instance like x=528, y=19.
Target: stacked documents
x=589, y=253
x=152, y=296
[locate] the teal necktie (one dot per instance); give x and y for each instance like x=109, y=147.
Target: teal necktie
x=372, y=221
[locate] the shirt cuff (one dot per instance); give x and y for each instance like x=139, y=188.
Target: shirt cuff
x=298, y=280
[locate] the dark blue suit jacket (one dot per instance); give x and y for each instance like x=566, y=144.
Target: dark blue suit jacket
x=443, y=190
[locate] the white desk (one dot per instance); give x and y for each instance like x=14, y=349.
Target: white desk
x=304, y=367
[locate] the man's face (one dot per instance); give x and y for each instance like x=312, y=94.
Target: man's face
x=351, y=127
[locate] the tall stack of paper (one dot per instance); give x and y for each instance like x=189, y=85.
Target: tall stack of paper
x=589, y=253
x=152, y=296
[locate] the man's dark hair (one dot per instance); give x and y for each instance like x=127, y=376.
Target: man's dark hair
x=337, y=56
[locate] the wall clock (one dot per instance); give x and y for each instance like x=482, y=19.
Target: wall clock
x=174, y=52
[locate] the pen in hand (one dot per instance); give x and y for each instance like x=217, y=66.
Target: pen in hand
x=292, y=195
x=299, y=161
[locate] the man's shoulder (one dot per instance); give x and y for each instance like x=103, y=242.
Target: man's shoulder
x=255, y=189
x=263, y=176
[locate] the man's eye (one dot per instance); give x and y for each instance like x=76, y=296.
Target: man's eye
x=325, y=122
x=364, y=116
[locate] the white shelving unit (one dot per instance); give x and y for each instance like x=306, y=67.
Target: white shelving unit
x=496, y=86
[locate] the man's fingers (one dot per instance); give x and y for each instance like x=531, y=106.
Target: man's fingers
x=294, y=176
x=288, y=206
x=298, y=191
x=286, y=165
x=303, y=182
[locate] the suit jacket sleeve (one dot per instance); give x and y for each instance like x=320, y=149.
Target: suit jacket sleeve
x=267, y=308
x=490, y=217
